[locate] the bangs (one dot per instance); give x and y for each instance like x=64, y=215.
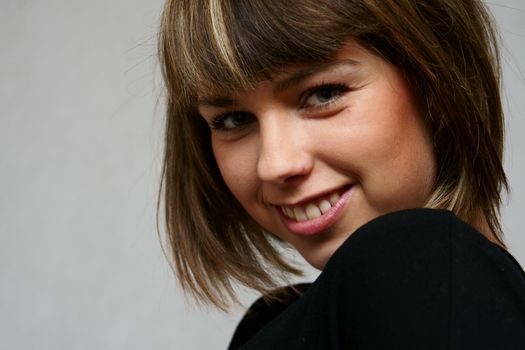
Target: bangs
x=217, y=46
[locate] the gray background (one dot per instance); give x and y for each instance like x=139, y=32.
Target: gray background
x=80, y=148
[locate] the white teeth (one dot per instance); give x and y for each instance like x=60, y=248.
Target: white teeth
x=334, y=198
x=299, y=213
x=324, y=206
x=312, y=211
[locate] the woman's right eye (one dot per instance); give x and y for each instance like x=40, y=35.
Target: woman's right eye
x=232, y=121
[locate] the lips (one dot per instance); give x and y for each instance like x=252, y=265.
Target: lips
x=316, y=215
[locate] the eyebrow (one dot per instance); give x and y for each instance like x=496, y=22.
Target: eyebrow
x=292, y=80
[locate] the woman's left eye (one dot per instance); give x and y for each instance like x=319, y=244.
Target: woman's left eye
x=323, y=95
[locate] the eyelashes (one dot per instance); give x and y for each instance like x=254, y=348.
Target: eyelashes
x=232, y=120
x=323, y=95
x=314, y=100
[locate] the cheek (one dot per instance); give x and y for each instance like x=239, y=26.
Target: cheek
x=237, y=164
x=402, y=149
x=402, y=166
x=387, y=151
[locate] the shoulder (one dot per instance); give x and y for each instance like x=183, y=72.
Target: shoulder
x=412, y=279
x=425, y=274
x=419, y=241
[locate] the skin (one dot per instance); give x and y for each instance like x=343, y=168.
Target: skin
x=315, y=129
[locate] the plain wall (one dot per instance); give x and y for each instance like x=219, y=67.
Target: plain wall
x=80, y=147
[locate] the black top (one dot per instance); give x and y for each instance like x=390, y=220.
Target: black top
x=415, y=279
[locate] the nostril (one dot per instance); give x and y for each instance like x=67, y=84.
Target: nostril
x=293, y=178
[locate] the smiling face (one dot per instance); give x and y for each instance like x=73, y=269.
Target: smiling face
x=319, y=150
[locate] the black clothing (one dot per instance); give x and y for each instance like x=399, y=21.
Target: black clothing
x=415, y=279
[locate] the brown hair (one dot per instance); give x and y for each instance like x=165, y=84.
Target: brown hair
x=446, y=48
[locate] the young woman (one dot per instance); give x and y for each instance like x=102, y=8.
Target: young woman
x=324, y=125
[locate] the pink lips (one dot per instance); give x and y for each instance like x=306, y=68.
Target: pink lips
x=321, y=223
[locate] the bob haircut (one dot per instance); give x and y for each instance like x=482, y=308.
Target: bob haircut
x=446, y=49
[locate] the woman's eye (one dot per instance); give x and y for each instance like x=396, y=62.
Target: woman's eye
x=232, y=121
x=323, y=95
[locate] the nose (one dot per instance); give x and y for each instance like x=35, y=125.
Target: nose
x=283, y=155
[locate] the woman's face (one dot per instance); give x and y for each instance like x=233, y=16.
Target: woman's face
x=319, y=150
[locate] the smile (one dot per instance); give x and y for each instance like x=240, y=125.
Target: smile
x=317, y=215
x=311, y=210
